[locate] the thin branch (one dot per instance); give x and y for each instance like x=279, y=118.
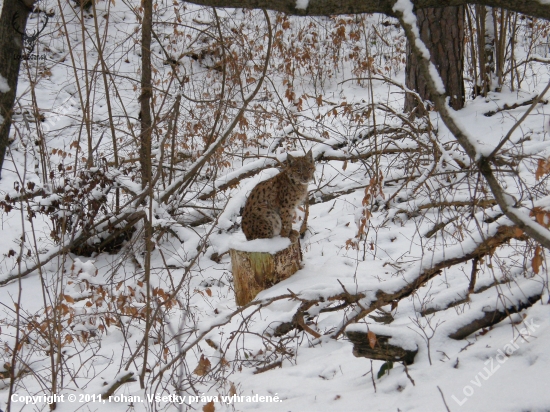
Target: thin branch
x=536, y=101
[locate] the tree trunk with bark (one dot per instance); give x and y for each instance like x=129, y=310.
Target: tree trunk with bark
x=485, y=49
x=257, y=271
x=442, y=30
x=13, y=19
x=146, y=94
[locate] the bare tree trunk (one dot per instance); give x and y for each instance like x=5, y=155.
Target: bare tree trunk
x=11, y=46
x=485, y=48
x=489, y=48
x=145, y=160
x=500, y=23
x=146, y=93
x=442, y=29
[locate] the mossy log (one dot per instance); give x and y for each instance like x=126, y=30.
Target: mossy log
x=257, y=271
x=382, y=349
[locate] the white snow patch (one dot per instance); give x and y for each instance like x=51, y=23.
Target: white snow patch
x=400, y=336
x=272, y=245
x=4, y=88
x=302, y=4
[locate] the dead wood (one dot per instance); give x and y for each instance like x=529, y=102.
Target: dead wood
x=445, y=205
x=112, y=242
x=268, y=367
x=80, y=240
x=128, y=377
x=235, y=181
x=325, y=197
x=257, y=271
x=493, y=317
x=382, y=349
x=298, y=318
x=514, y=106
x=452, y=304
x=337, y=7
x=503, y=235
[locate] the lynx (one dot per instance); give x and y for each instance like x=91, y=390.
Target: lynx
x=270, y=207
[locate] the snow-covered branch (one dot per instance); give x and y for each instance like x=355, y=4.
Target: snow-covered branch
x=334, y=7
x=404, y=11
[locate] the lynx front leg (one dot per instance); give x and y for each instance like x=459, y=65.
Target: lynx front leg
x=286, y=230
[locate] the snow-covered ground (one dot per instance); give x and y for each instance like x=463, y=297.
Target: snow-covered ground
x=375, y=224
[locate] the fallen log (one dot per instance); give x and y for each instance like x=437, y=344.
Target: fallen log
x=492, y=317
x=373, y=346
x=503, y=235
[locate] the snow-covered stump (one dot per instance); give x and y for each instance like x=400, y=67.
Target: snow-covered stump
x=261, y=263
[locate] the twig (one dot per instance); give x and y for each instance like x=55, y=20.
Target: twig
x=472, y=285
x=444, y=401
x=117, y=384
x=268, y=367
x=536, y=101
x=407, y=373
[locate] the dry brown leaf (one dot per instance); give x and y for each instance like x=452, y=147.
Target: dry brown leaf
x=232, y=390
x=536, y=263
x=209, y=407
x=372, y=339
x=211, y=343
x=203, y=367
x=541, y=216
x=518, y=232
x=543, y=168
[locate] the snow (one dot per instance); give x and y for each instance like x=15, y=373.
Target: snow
x=302, y=4
x=503, y=368
x=400, y=336
x=4, y=88
x=238, y=241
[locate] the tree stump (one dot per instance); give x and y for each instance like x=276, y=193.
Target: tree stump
x=262, y=263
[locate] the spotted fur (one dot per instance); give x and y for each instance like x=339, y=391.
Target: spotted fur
x=270, y=206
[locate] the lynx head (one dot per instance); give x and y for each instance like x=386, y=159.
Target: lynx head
x=300, y=169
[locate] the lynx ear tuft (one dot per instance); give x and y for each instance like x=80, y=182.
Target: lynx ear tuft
x=289, y=159
x=309, y=155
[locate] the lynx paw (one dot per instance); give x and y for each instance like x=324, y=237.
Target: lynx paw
x=293, y=236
